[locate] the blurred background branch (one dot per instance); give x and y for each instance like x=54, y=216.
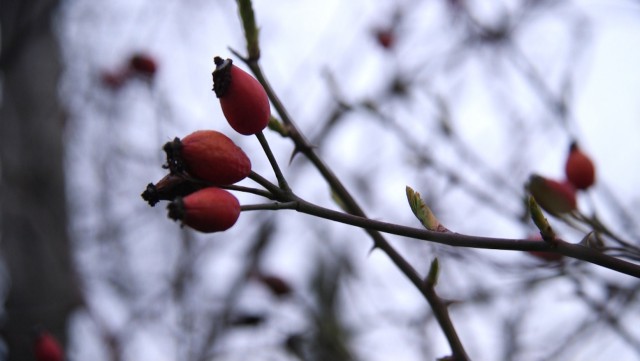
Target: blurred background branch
x=461, y=100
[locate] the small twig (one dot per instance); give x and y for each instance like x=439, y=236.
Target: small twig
x=576, y=251
x=275, y=206
x=272, y=188
x=282, y=182
x=598, y=226
x=256, y=191
x=460, y=240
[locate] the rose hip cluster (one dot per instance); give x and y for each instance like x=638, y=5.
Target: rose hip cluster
x=204, y=162
x=140, y=65
x=559, y=197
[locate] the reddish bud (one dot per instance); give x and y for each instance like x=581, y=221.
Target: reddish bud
x=554, y=197
x=275, y=284
x=579, y=168
x=113, y=80
x=207, y=210
x=208, y=155
x=143, y=64
x=385, y=38
x=47, y=348
x=244, y=101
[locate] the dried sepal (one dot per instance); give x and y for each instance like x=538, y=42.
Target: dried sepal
x=170, y=187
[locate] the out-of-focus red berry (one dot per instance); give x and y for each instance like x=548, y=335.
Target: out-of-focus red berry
x=47, y=348
x=207, y=210
x=553, y=196
x=579, y=168
x=244, y=101
x=113, y=80
x=143, y=64
x=278, y=286
x=208, y=155
x=545, y=256
x=385, y=38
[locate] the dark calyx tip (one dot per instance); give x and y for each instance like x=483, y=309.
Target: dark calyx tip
x=150, y=195
x=221, y=76
x=176, y=209
x=174, y=159
x=573, y=146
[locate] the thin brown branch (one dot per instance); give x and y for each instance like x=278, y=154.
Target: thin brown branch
x=303, y=146
x=576, y=251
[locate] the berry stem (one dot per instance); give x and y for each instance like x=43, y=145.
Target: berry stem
x=282, y=182
x=275, y=206
x=272, y=188
x=260, y=192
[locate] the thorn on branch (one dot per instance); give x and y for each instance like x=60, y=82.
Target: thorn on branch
x=434, y=273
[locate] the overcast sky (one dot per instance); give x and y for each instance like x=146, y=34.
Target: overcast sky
x=301, y=42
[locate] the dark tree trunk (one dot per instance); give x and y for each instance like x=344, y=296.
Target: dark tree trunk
x=41, y=288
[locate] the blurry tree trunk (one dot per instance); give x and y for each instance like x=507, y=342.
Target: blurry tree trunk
x=34, y=242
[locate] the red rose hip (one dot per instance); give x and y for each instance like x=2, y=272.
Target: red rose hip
x=208, y=155
x=579, y=168
x=207, y=210
x=553, y=196
x=385, y=38
x=113, y=80
x=244, y=101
